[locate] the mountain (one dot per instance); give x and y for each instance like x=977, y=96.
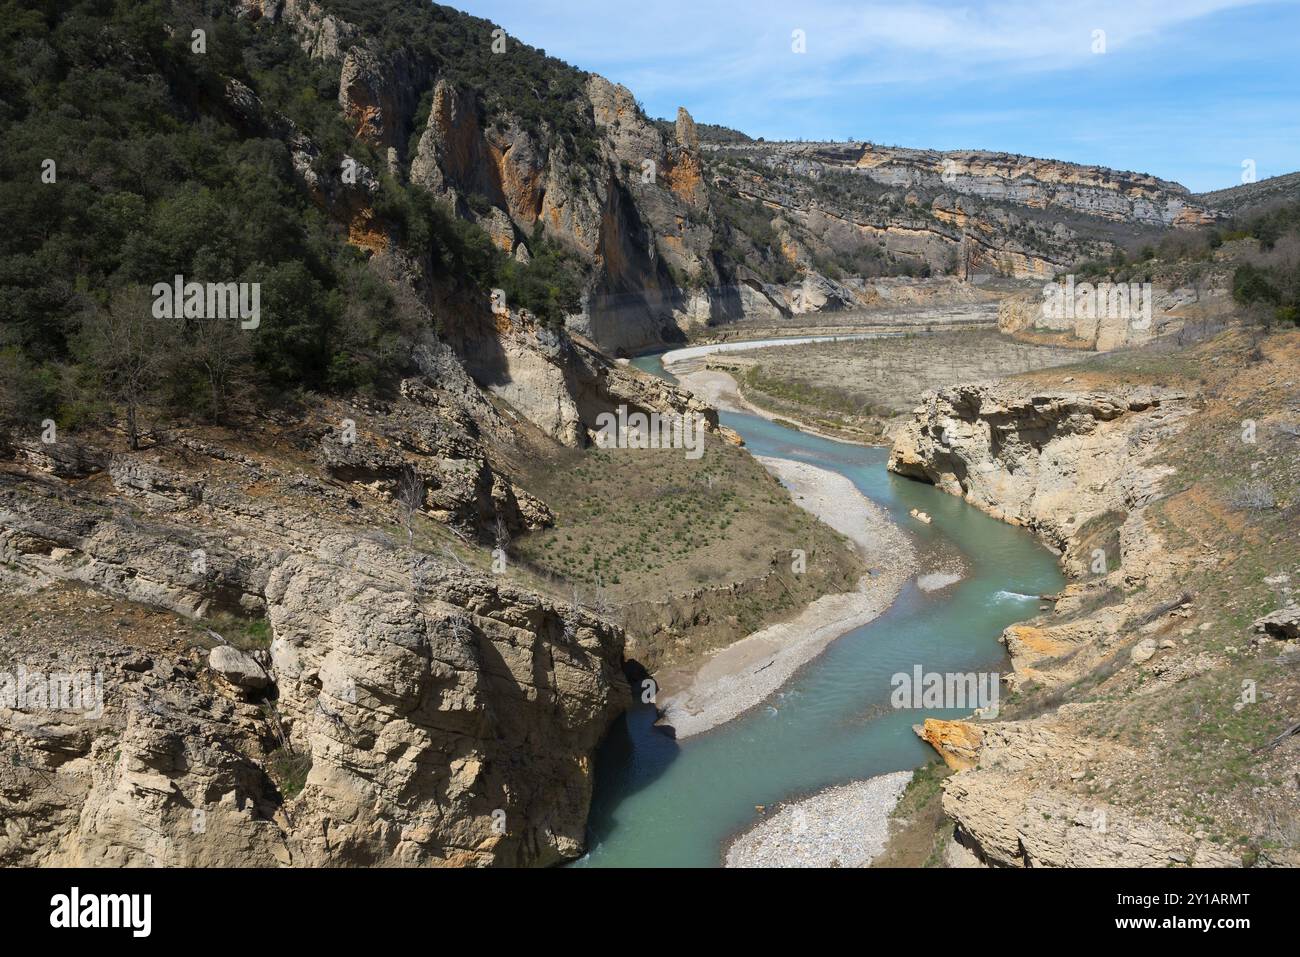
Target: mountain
x=672, y=227
x=1252, y=197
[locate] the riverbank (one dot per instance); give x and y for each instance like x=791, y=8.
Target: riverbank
x=721, y=390
x=742, y=675
x=844, y=826
x=863, y=389
x=660, y=802
x=1132, y=699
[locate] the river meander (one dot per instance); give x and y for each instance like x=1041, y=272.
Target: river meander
x=661, y=803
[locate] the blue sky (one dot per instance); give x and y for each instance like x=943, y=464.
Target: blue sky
x=1186, y=89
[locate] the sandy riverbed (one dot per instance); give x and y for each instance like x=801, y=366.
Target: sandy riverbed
x=742, y=675
x=845, y=826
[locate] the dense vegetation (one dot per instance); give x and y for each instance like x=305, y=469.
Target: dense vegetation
x=1266, y=275
x=744, y=234
x=545, y=94
x=122, y=167
x=1270, y=287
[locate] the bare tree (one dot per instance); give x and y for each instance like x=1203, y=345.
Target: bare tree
x=576, y=599
x=221, y=350
x=502, y=535
x=128, y=353
x=600, y=603
x=410, y=500
x=1253, y=497
x=453, y=557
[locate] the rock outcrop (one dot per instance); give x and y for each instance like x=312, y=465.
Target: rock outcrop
x=1018, y=808
x=958, y=742
x=1104, y=329
x=1076, y=468
x=1027, y=181
x=1283, y=624
x=1051, y=461
x=405, y=710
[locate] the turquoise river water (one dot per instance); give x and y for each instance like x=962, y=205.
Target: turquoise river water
x=664, y=803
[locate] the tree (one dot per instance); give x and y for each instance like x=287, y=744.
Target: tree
x=410, y=500
x=221, y=351
x=127, y=354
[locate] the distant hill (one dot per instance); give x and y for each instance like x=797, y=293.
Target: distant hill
x=1252, y=196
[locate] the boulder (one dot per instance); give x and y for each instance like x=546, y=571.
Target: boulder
x=238, y=668
x=1283, y=623
x=1143, y=651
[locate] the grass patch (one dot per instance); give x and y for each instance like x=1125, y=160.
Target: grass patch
x=288, y=770
x=246, y=634
x=860, y=384
x=919, y=831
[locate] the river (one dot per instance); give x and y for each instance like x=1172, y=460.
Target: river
x=663, y=803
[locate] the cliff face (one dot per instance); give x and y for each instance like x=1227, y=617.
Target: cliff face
x=1020, y=180
x=404, y=710
x=959, y=212
x=1111, y=745
x=1052, y=461
x=638, y=215
x=1026, y=181
x=488, y=168
x=635, y=211
x=1064, y=464
x=650, y=210
x=1023, y=315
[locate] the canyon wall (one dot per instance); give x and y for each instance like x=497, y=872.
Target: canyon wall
x=649, y=209
x=434, y=716
x=1078, y=469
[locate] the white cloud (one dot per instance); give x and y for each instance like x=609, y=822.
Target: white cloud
x=676, y=44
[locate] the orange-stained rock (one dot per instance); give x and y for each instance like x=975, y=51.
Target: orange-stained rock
x=958, y=742
x=1032, y=639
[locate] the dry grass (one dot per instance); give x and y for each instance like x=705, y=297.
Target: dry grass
x=861, y=385
x=639, y=529
x=918, y=829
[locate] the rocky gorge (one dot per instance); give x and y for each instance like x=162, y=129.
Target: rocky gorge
x=386, y=717
x=678, y=233
x=365, y=589
x=1096, y=474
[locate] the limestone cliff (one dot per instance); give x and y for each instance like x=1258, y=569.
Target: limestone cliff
x=677, y=235
x=1027, y=181
x=1023, y=316
x=404, y=711
x=1050, y=460
x=1077, y=468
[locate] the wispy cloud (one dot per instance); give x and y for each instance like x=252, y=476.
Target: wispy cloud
x=1002, y=74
